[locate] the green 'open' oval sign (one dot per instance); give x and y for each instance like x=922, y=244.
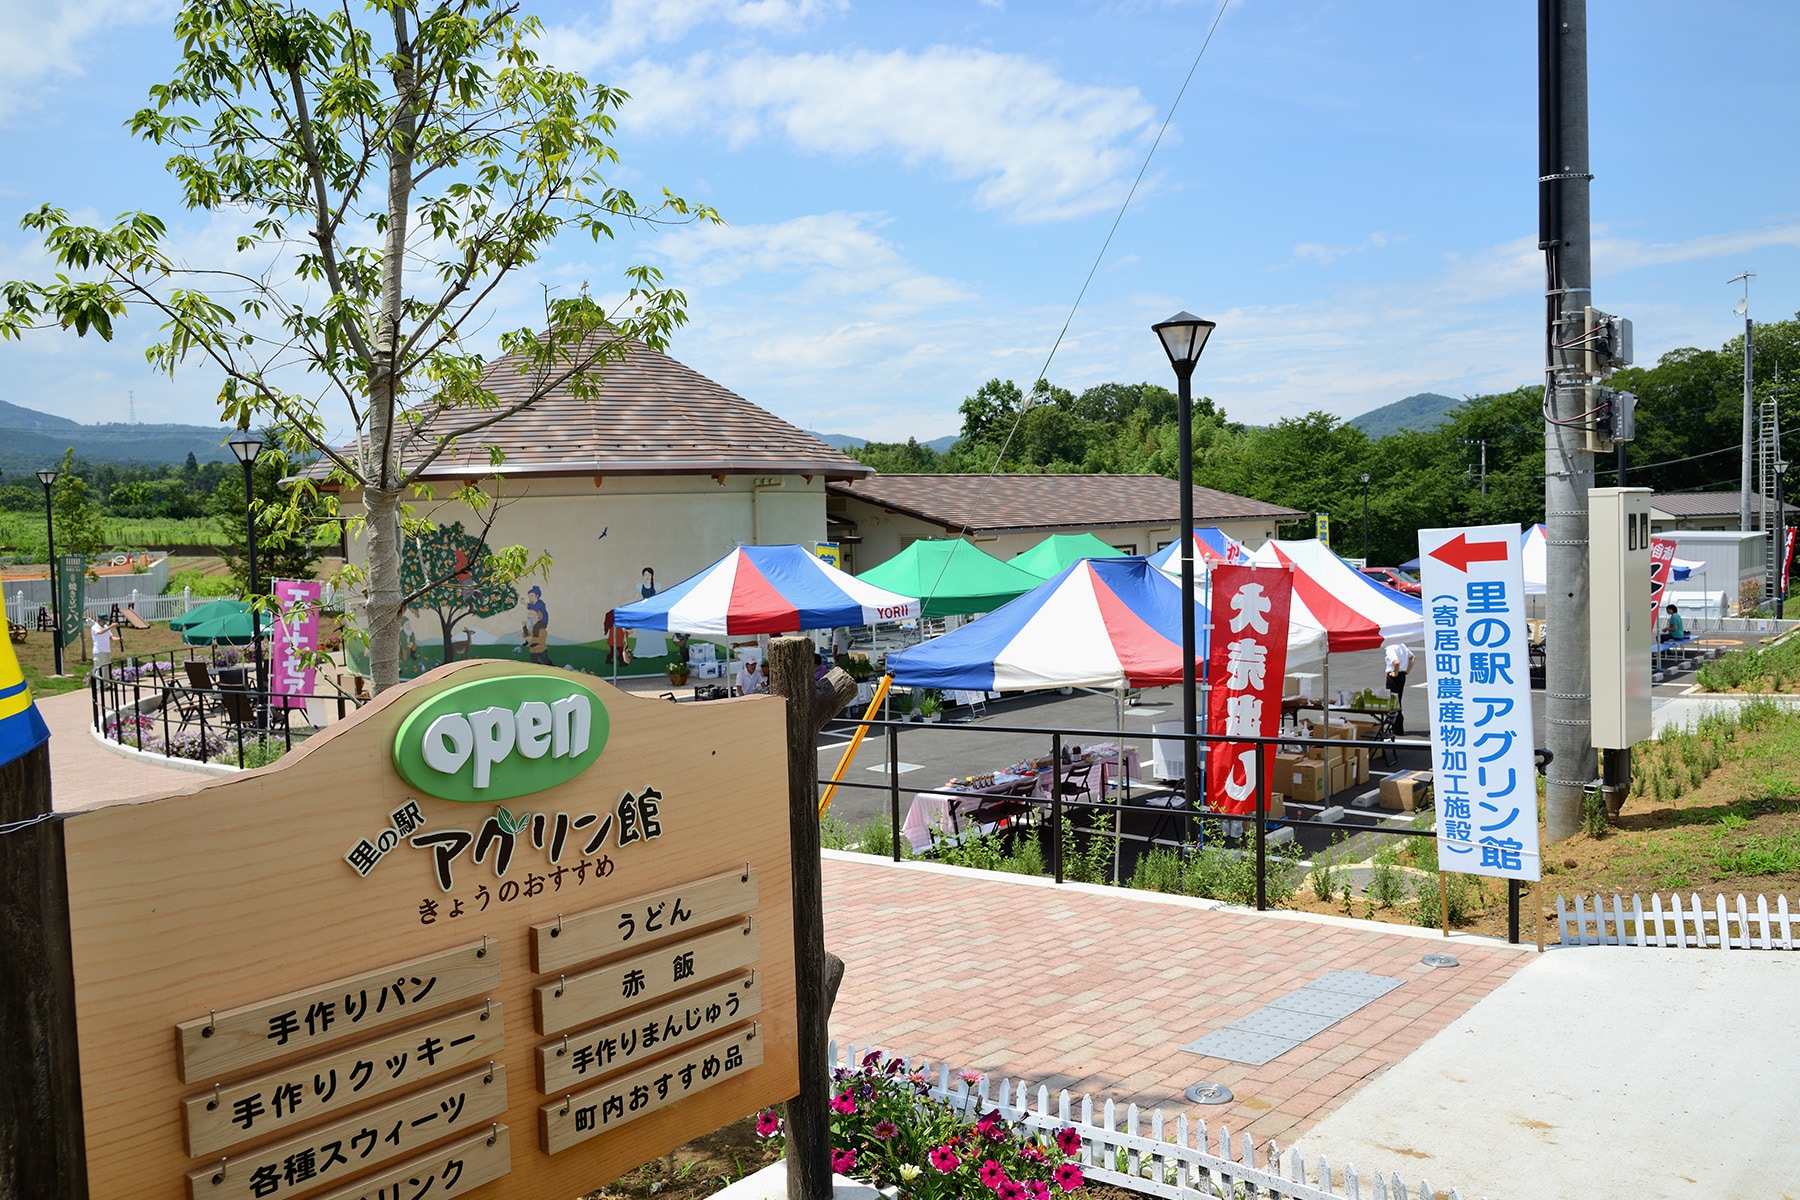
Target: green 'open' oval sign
x=501, y=737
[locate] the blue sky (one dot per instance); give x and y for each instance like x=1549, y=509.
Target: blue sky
x=915, y=191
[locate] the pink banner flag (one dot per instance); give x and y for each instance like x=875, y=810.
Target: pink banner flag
x=1662, y=564
x=296, y=633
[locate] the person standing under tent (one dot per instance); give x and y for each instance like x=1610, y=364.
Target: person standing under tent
x=648, y=643
x=749, y=678
x=1399, y=662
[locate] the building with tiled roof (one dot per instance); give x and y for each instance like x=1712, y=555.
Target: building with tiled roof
x=879, y=515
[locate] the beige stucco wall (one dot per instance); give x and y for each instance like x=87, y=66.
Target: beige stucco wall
x=884, y=534
x=676, y=524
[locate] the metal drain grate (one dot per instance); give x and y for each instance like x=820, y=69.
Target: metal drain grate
x=1285, y=1022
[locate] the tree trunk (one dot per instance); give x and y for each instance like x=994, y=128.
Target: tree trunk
x=383, y=587
x=448, y=626
x=385, y=480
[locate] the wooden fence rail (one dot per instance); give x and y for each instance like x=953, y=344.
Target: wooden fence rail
x=1184, y=1166
x=1693, y=925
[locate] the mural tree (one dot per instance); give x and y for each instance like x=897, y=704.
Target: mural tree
x=448, y=571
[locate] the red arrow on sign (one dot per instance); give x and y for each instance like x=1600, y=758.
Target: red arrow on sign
x=1459, y=552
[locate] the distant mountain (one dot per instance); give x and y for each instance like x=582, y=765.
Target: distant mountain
x=1423, y=411
x=30, y=439
x=844, y=441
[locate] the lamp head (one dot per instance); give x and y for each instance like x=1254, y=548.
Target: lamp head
x=246, y=446
x=1183, y=337
x=47, y=477
x=1365, y=478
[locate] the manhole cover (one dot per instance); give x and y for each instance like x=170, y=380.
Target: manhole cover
x=1440, y=960
x=1209, y=1093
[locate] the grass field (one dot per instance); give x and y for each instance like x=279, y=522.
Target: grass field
x=27, y=530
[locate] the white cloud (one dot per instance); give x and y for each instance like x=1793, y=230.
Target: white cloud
x=1325, y=255
x=631, y=25
x=38, y=40
x=1624, y=254
x=1042, y=148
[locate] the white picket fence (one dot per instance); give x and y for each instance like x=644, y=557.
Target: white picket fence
x=1720, y=927
x=1150, y=1162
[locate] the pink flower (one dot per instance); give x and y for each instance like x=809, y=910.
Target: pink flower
x=1032, y=1152
x=1011, y=1190
x=944, y=1159
x=843, y=1103
x=971, y=1077
x=1039, y=1189
x=843, y=1162
x=992, y=1174
x=885, y=1130
x=767, y=1123
x=1069, y=1177
x=872, y=1058
x=1068, y=1140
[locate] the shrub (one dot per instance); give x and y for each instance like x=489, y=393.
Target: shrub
x=1386, y=886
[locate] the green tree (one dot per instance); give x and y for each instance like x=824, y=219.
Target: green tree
x=449, y=572
x=990, y=411
x=74, y=515
x=285, y=549
x=899, y=458
x=396, y=168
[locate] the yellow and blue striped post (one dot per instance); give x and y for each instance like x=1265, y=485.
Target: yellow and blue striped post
x=22, y=727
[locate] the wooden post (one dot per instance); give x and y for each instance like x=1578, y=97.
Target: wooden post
x=40, y=1089
x=811, y=703
x=1444, y=900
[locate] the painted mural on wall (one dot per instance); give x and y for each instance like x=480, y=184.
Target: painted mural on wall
x=454, y=591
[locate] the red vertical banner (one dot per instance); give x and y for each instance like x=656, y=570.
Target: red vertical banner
x=1245, y=667
x=1662, y=565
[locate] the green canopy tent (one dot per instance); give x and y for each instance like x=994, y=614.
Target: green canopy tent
x=951, y=577
x=230, y=629
x=1060, y=550
x=210, y=611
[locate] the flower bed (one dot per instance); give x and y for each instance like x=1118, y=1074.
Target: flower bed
x=886, y=1127
x=145, y=733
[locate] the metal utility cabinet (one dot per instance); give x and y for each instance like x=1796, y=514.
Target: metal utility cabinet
x=1621, y=623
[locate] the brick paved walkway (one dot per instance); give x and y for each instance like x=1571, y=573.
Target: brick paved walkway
x=1096, y=990
x=84, y=773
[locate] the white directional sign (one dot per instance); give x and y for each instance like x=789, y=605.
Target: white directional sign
x=1481, y=741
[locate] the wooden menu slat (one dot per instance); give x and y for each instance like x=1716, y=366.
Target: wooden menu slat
x=452, y=1170
x=322, y=1156
x=217, y=1044
x=304, y=1091
x=583, y=1115
x=647, y=920
x=591, y=1054
x=643, y=979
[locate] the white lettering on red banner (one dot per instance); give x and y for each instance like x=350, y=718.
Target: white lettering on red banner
x=1662, y=566
x=1245, y=666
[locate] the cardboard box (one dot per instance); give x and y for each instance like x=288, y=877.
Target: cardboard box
x=1277, y=806
x=1360, y=766
x=1406, y=792
x=1342, y=774
x=1302, y=778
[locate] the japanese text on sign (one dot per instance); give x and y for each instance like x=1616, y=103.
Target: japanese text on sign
x=1481, y=739
x=593, y=1053
x=582, y=1115
x=643, y=920
x=573, y=1000
x=1247, y=662
x=450, y=1170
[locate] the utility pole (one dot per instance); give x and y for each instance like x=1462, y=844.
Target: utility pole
x=1743, y=308
x=1563, y=187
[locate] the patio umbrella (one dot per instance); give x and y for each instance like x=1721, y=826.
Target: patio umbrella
x=1060, y=550
x=951, y=576
x=1100, y=623
x=766, y=589
x=231, y=629
x=212, y=610
x=1211, y=545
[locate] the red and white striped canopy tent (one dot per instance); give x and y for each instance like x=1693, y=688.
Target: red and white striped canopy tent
x=1354, y=611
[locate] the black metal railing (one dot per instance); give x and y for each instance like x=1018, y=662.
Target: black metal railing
x=204, y=708
x=1256, y=824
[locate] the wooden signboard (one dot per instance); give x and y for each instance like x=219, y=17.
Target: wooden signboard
x=346, y=948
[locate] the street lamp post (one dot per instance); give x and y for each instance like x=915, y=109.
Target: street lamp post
x=1365, y=483
x=48, y=479
x=1781, y=468
x=246, y=447
x=1183, y=337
